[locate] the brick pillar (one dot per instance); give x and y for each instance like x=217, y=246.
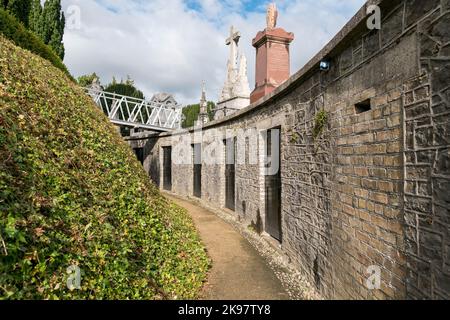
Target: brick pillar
x=272, y=61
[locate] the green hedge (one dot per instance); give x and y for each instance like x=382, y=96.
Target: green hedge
x=15, y=31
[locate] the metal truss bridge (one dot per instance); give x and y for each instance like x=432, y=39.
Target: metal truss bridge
x=126, y=111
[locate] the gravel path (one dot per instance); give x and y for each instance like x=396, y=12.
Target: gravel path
x=244, y=266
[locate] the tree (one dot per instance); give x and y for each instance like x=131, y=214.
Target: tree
x=125, y=88
x=53, y=23
x=87, y=79
x=129, y=89
x=48, y=23
x=18, y=8
x=34, y=19
x=191, y=113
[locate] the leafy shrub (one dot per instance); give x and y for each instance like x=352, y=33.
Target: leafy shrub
x=15, y=31
x=73, y=193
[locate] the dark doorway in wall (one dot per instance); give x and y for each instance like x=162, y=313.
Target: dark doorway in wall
x=167, y=168
x=140, y=154
x=273, y=183
x=197, y=157
x=230, y=173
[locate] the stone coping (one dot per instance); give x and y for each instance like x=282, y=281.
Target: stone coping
x=278, y=34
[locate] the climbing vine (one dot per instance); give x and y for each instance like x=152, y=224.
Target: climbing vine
x=295, y=138
x=320, y=123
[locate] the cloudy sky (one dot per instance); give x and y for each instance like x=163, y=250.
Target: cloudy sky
x=172, y=45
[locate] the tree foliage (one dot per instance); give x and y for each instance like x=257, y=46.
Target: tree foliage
x=46, y=22
x=191, y=113
x=35, y=22
x=51, y=27
x=87, y=79
x=125, y=88
x=18, y=8
x=12, y=29
x=73, y=193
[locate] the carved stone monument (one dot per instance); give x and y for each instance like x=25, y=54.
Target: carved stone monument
x=272, y=16
x=96, y=85
x=203, y=117
x=272, y=56
x=236, y=90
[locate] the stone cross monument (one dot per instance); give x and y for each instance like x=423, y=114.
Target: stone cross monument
x=236, y=90
x=233, y=42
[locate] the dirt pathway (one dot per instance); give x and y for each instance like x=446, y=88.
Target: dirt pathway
x=238, y=272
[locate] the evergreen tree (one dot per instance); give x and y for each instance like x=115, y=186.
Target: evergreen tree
x=18, y=8
x=87, y=79
x=48, y=23
x=125, y=88
x=53, y=23
x=35, y=18
x=191, y=113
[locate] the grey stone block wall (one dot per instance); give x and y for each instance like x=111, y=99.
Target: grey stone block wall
x=426, y=110
x=373, y=188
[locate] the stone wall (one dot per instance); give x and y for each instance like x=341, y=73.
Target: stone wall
x=427, y=158
x=369, y=190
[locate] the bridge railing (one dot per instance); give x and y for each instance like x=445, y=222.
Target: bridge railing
x=137, y=113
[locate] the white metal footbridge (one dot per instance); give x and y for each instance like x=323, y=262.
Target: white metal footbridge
x=154, y=115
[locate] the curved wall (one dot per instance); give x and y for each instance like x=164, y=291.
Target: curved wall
x=371, y=191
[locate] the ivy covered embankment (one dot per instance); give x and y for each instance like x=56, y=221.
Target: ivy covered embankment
x=72, y=193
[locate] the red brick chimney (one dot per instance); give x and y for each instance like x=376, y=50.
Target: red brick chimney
x=272, y=57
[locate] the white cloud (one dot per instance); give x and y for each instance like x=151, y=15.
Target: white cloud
x=166, y=46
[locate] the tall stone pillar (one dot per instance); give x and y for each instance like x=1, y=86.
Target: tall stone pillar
x=272, y=57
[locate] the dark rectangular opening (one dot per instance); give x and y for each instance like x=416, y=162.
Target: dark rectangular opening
x=197, y=159
x=273, y=183
x=363, y=106
x=167, y=168
x=139, y=152
x=230, y=173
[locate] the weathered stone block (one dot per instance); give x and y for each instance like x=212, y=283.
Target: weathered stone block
x=440, y=79
x=411, y=187
x=392, y=27
x=424, y=137
x=416, y=9
x=424, y=188
x=445, y=4
x=442, y=163
x=441, y=188
x=442, y=134
x=371, y=43
x=346, y=60
x=393, y=121
x=418, y=204
x=428, y=46
x=417, y=173
x=439, y=30
x=417, y=110
x=425, y=157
